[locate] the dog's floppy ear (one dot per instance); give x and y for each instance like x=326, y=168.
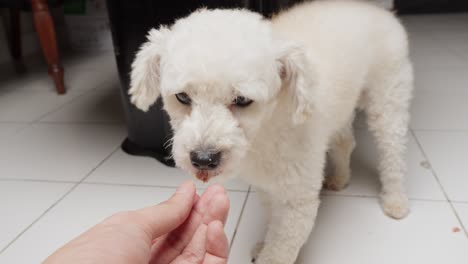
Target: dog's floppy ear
x=145, y=76
x=298, y=76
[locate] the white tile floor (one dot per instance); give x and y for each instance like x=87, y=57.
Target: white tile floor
x=61, y=169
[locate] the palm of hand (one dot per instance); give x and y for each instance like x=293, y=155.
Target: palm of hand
x=193, y=235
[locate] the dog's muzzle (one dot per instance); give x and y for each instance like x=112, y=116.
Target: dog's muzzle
x=205, y=159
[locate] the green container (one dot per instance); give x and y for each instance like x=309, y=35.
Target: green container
x=74, y=7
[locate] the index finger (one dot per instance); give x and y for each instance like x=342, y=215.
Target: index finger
x=212, y=205
x=161, y=219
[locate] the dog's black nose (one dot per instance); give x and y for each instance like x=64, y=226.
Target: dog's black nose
x=205, y=159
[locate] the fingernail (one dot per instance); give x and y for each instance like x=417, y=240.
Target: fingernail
x=185, y=187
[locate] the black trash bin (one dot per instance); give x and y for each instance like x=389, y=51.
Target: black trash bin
x=130, y=21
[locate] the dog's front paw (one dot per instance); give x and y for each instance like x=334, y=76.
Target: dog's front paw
x=266, y=255
x=395, y=204
x=264, y=259
x=256, y=251
x=336, y=182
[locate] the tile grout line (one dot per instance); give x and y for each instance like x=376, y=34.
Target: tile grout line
x=110, y=184
x=29, y=124
x=21, y=129
x=452, y=50
x=239, y=219
x=156, y=186
x=61, y=122
x=38, y=218
x=441, y=130
x=80, y=123
x=459, y=202
x=454, y=210
x=35, y=180
x=202, y=188
x=57, y=202
x=80, y=95
x=14, y=122
x=377, y=197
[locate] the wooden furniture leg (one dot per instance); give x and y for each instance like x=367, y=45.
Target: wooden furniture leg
x=45, y=30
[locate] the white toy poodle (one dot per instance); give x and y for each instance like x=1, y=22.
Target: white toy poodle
x=269, y=100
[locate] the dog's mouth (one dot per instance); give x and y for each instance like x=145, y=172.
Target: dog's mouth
x=205, y=175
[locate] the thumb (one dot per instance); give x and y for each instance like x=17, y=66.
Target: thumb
x=161, y=219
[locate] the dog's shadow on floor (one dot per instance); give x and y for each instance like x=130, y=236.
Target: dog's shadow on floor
x=108, y=103
x=103, y=104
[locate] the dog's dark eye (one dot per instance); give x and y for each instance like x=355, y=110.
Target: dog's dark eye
x=242, y=101
x=184, y=98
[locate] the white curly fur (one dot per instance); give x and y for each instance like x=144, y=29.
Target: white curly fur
x=307, y=70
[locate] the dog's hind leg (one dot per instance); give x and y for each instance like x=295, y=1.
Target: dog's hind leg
x=339, y=156
x=387, y=110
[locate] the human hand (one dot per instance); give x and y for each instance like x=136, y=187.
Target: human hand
x=184, y=229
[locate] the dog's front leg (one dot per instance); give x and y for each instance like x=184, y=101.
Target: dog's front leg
x=291, y=222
